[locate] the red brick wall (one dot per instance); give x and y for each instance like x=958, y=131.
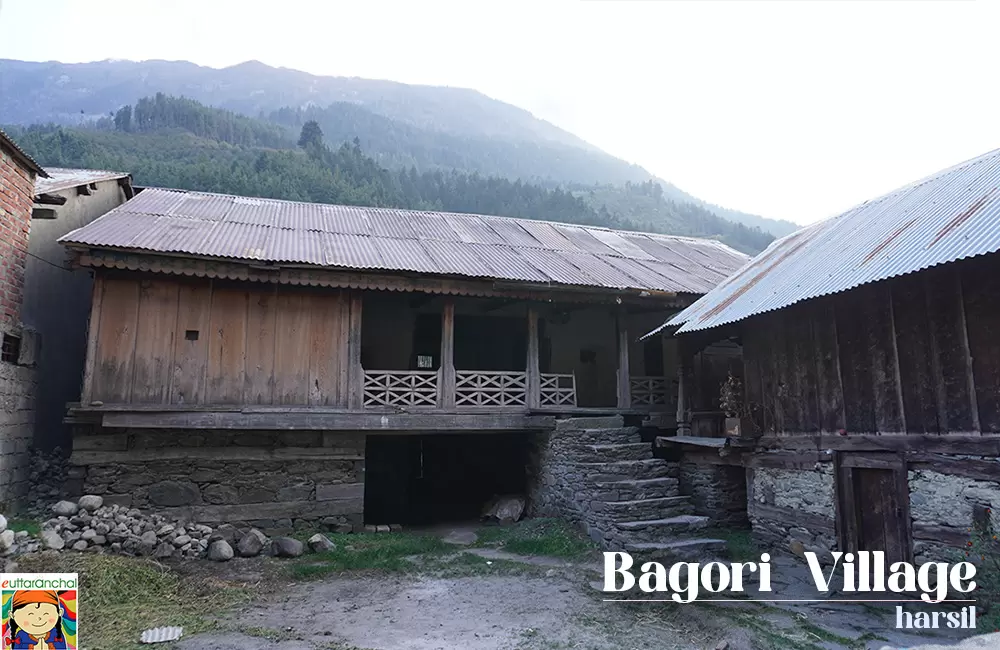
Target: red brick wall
x=16, y=196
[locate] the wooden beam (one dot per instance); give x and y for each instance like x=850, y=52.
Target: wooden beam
x=327, y=421
x=86, y=392
x=446, y=386
x=534, y=379
x=964, y=444
x=355, y=372
x=50, y=199
x=624, y=386
x=967, y=352
x=226, y=454
x=792, y=517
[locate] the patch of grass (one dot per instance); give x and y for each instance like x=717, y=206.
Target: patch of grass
x=739, y=543
x=121, y=597
x=542, y=536
x=385, y=552
x=29, y=525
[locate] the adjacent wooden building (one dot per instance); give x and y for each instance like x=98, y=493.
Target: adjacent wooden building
x=869, y=416
x=243, y=352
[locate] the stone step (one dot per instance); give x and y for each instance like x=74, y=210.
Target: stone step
x=627, y=470
x=661, y=530
x=615, y=453
x=642, y=510
x=651, y=488
x=612, y=436
x=682, y=550
x=595, y=422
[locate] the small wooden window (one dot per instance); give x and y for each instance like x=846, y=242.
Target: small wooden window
x=11, y=350
x=191, y=335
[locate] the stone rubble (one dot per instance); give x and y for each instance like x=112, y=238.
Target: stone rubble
x=88, y=525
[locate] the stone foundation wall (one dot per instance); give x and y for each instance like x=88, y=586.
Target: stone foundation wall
x=17, y=420
x=793, y=510
x=942, y=509
x=718, y=492
x=270, y=480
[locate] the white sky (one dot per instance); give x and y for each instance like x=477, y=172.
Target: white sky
x=794, y=110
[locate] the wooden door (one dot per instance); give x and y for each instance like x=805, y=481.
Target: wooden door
x=873, y=505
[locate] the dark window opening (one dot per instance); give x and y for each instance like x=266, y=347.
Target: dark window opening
x=191, y=335
x=490, y=342
x=438, y=478
x=11, y=350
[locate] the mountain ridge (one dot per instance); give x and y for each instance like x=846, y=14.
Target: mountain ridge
x=484, y=134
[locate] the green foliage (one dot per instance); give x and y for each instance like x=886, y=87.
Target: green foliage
x=984, y=551
x=175, y=142
x=541, y=536
x=311, y=136
x=384, y=552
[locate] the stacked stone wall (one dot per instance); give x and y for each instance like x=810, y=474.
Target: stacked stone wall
x=270, y=480
x=718, y=492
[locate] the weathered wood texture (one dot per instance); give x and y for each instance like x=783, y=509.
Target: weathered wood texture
x=183, y=342
x=917, y=354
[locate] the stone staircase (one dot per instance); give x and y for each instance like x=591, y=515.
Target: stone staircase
x=599, y=472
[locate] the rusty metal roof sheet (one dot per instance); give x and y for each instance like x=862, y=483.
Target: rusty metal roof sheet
x=499, y=248
x=949, y=216
x=61, y=178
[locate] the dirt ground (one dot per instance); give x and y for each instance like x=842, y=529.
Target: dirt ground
x=492, y=600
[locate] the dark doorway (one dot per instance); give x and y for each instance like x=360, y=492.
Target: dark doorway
x=426, y=479
x=873, y=496
x=426, y=342
x=490, y=342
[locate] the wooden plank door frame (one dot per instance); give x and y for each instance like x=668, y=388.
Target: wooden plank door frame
x=847, y=513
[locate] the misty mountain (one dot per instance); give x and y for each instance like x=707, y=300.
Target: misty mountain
x=400, y=125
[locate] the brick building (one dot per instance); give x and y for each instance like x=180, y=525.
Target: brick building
x=17, y=377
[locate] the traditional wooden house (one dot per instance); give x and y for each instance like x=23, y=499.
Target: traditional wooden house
x=243, y=352
x=866, y=410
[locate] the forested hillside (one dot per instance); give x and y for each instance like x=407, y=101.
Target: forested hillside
x=399, y=125
x=175, y=142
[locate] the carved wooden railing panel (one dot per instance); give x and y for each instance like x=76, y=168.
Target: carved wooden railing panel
x=491, y=388
x=558, y=390
x=649, y=391
x=401, y=388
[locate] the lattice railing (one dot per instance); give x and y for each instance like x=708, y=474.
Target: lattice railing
x=401, y=388
x=558, y=390
x=649, y=391
x=491, y=388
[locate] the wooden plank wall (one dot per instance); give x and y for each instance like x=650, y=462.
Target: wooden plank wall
x=183, y=341
x=916, y=354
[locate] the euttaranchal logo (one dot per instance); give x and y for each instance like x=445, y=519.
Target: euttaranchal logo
x=38, y=610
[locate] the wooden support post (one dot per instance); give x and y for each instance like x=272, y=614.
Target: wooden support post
x=624, y=385
x=447, y=371
x=86, y=390
x=534, y=378
x=683, y=424
x=355, y=371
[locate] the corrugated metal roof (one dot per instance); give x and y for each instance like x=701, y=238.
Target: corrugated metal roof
x=61, y=178
x=22, y=155
x=952, y=215
x=498, y=248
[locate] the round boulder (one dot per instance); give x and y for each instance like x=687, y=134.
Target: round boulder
x=220, y=551
x=90, y=502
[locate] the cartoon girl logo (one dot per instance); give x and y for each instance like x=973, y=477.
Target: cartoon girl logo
x=39, y=620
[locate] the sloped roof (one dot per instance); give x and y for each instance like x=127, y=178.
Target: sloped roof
x=22, y=155
x=61, y=178
x=438, y=243
x=949, y=216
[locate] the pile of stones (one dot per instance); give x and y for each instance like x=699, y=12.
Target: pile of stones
x=48, y=475
x=88, y=525
x=15, y=542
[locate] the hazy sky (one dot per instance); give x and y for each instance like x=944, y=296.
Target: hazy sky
x=795, y=110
